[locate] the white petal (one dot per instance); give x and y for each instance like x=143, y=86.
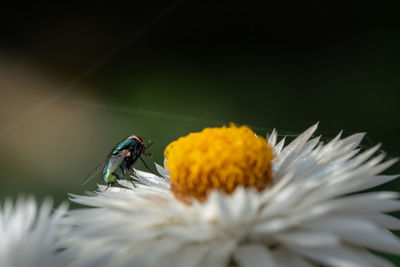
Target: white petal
x=363, y=203
x=219, y=253
x=298, y=142
x=364, y=156
x=150, y=179
x=30, y=235
x=343, y=256
x=284, y=257
x=253, y=255
x=243, y=205
x=162, y=171
x=354, y=140
x=276, y=188
x=358, y=232
x=148, y=254
x=374, y=181
x=288, y=198
x=94, y=259
x=188, y=256
x=382, y=220
x=279, y=146
x=272, y=138
x=308, y=238
x=309, y=146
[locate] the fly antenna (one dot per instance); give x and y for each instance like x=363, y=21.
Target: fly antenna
x=149, y=144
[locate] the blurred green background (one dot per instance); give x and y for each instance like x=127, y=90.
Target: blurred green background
x=76, y=79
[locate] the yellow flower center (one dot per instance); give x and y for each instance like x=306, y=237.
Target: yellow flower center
x=218, y=158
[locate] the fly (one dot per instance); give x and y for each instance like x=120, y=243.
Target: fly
x=121, y=159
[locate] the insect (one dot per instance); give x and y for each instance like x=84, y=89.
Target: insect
x=121, y=159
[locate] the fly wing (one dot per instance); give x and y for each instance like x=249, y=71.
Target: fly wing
x=96, y=171
x=116, y=160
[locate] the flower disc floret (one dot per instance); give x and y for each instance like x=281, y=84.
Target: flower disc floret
x=218, y=159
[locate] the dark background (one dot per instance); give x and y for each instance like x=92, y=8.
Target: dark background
x=76, y=78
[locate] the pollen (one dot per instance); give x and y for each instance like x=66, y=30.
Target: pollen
x=218, y=159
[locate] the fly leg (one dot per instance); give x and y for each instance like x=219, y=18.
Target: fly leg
x=109, y=185
x=132, y=179
x=147, y=167
x=134, y=186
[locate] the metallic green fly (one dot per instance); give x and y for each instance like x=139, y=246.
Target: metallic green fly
x=121, y=159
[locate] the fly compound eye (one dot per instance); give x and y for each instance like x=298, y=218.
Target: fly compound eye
x=140, y=138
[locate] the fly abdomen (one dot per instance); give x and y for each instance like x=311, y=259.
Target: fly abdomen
x=110, y=176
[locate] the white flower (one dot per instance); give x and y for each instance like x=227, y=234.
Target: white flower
x=30, y=236
x=314, y=213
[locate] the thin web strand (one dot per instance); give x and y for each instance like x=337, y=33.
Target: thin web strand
x=327, y=135
x=31, y=113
